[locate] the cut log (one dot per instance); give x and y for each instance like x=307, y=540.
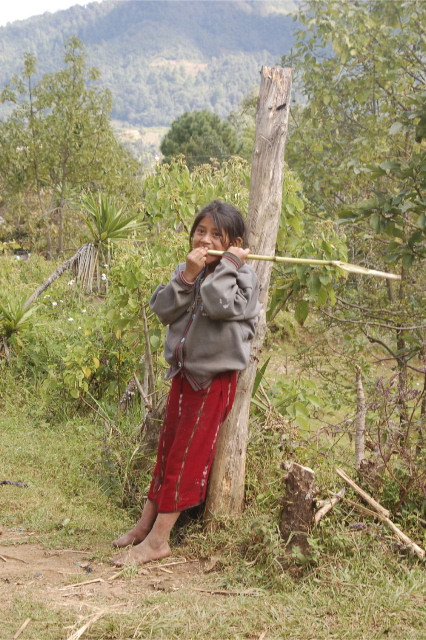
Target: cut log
x=298, y=514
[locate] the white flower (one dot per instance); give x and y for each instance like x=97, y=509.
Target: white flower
x=54, y=304
x=70, y=319
x=71, y=282
x=83, y=311
x=46, y=296
x=78, y=327
x=103, y=276
x=60, y=300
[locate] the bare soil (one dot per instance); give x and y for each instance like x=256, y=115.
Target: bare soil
x=71, y=577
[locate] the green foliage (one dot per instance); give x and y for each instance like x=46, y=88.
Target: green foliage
x=396, y=211
x=200, y=136
x=296, y=400
x=14, y=318
x=56, y=142
x=105, y=222
x=353, y=142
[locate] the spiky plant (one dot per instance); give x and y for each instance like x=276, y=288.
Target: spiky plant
x=14, y=318
x=107, y=224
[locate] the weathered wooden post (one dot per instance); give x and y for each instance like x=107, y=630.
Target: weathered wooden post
x=226, y=486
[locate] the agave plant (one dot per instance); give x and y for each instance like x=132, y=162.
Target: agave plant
x=14, y=318
x=107, y=225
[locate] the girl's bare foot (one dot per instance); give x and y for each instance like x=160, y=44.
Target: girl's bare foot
x=132, y=537
x=142, y=553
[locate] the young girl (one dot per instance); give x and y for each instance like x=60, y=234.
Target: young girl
x=211, y=307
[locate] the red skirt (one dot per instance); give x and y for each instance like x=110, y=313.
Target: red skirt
x=188, y=441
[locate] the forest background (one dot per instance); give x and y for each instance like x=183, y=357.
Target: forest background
x=82, y=436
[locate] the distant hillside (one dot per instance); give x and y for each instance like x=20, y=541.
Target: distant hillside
x=160, y=58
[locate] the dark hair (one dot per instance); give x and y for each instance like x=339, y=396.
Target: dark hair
x=227, y=219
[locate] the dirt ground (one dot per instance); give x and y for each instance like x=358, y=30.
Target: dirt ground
x=58, y=578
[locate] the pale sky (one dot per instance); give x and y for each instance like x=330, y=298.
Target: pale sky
x=11, y=10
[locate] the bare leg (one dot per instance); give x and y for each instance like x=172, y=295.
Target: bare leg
x=155, y=545
x=141, y=529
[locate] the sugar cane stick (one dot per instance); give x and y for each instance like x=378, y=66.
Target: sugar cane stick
x=345, y=266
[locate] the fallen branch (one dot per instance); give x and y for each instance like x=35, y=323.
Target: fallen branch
x=172, y=564
x=381, y=511
x=231, y=592
x=81, y=584
x=361, y=508
x=20, y=630
x=5, y=557
x=116, y=575
x=79, y=632
x=402, y=536
x=328, y=505
x=378, y=507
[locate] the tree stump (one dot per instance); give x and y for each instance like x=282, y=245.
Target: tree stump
x=298, y=513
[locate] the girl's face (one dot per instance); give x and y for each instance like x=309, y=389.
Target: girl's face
x=206, y=235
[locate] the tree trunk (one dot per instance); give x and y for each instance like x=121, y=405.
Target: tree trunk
x=226, y=486
x=65, y=266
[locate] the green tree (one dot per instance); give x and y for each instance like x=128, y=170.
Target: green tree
x=200, y=136
x=357, y=66
x=357, y=146
x=58, y=141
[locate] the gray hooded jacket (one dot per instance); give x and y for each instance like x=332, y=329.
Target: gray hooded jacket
x=210, y=322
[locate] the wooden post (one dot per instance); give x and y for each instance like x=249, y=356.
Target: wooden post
x=226, y=487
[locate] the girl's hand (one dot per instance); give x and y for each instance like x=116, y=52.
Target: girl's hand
x=239, y=252
x=195, y=263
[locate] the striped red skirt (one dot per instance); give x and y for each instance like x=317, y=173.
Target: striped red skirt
x=188, y=441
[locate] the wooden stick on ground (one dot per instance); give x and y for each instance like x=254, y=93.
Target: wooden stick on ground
x=383, y=514
x=81, y=584
x=4, y=557
x=328, y=505
x=20, y=630
x=79, y=632
x=378, y=507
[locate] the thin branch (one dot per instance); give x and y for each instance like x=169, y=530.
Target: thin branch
x=375, y=324
x=144, y=397
x=394, y=356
